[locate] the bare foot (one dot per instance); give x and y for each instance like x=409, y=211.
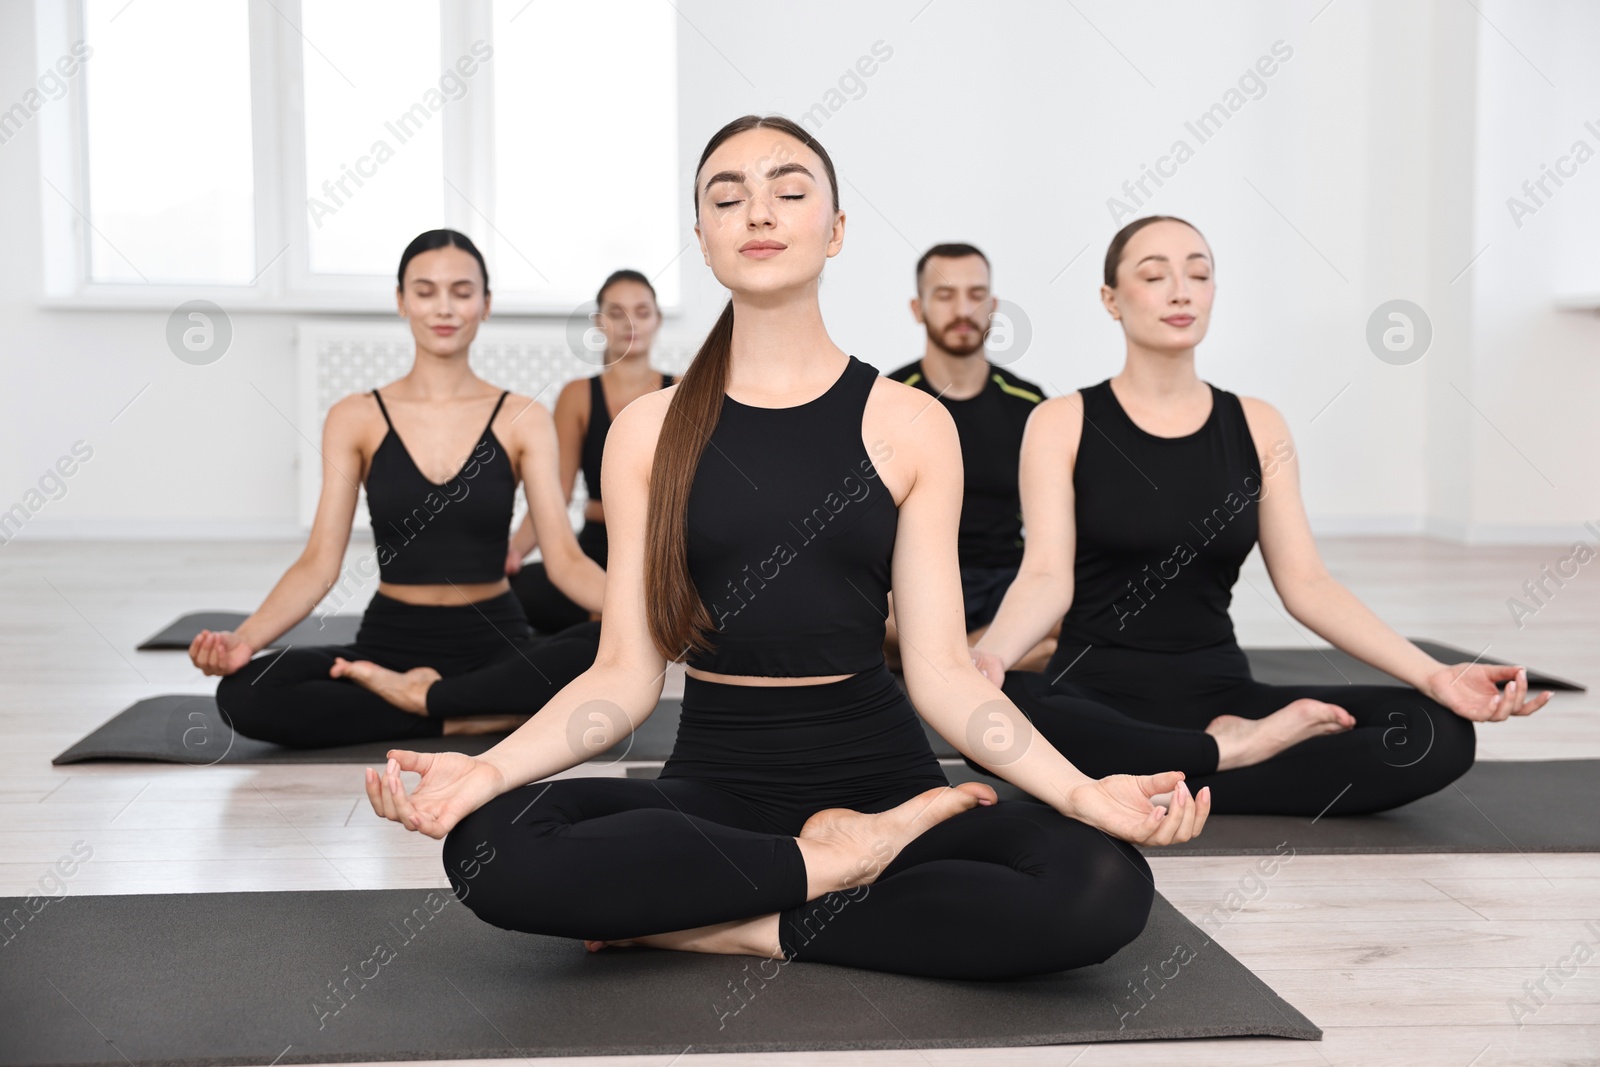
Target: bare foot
x=844, y=848
x=756, y=936
x=483, y=724
x=1244, y=742
x=408, y=691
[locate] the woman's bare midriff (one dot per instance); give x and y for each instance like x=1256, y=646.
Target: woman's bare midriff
x=753, y=679
x=447, y=595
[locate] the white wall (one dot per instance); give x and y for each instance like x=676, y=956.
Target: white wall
x=1375, y=166
x=1536, y=373
x=200, y=451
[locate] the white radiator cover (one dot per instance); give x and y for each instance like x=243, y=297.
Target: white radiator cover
x=338, y=357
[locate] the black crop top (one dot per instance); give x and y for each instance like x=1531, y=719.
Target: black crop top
x=428, y=533
x=1163, y=524
x=594, y=438
x=790, y=535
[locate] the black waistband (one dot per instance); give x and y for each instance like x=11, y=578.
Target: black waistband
x=445, y=630
x=1109, y=666
x=501, y=614
x=844, y=740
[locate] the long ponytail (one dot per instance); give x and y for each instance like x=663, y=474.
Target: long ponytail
x=678, y=619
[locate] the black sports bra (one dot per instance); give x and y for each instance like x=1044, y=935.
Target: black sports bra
x=790, y=536
x=428, y=533
x=594, y=438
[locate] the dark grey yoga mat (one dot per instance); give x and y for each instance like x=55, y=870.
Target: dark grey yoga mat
x=166, y=729
x=1497, y=806
x=327, y=630
x=189, y=729
x=253, y=978
x=1329, y=666
x=1274, y=666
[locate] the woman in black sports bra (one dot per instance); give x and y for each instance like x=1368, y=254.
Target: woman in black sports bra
x=444, y=647
x=627, y=315
x=802, y=814
x=1169, y=483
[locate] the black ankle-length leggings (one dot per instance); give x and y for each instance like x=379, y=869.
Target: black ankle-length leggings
x=1134, y=712
x=1004, y=891
x=547, y=607
x=490, y=660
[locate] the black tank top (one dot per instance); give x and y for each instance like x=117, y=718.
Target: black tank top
x=594, y=438
x=790, y=535
x=1163, y=524
x=428, y=533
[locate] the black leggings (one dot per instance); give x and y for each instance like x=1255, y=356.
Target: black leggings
x=1128, y=711
x=1005, y=891
x=548, y=608
x=490, y=659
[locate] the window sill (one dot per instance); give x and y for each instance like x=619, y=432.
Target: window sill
x=165, y=298
x=1589, y=301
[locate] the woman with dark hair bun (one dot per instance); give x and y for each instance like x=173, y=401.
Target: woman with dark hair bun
x=628, y=317
x=444, y=647
x=759, y=511
x=1134, y=545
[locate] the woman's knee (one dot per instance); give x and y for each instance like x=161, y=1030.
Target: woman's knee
x=1120, y=892
x=1101, y=892
x=477, y=860
x=1425, y=747
x=1455, y=745
x=492, y=858
x=246, y=709
x=1424, y=735
x=471, y=851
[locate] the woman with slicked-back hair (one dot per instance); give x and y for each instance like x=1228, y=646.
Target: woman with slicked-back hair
x=627, y=317
x=444, y=647
x=1142, y=496
x=759, y=510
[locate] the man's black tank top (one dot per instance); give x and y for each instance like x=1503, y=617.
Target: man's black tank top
x=427, y=533
x=594, y=438
x=790, y=536
x=1163, y=524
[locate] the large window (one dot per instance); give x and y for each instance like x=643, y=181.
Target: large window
x=374, y=147
x=170, y=183
x=280, y=153
x=582, y=188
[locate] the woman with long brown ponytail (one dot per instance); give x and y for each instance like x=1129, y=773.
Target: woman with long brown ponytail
x=755, y=531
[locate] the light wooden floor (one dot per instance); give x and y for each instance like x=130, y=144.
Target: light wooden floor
x=1400, y=959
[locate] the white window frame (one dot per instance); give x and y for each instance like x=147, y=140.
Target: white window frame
x=282, y=225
